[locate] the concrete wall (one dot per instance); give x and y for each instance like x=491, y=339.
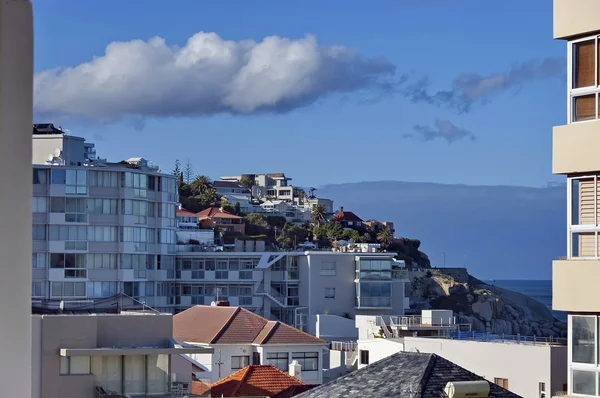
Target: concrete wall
x=525, y=366
x=574, y=286
x=53, y=332
x=575, y=17
x=16, y=103
x=378, y=349
x=334, y=327
x=573, y=147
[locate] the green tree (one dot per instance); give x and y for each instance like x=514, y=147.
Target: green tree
x=334, y=230
x=200, y=185
x=226, y=206
x=292, y=235
x=318, y=215
x=237, y=208
x=385, y=237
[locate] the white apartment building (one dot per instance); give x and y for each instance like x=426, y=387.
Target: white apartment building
x=268, y=186
x=99, y=228
x=292, y=287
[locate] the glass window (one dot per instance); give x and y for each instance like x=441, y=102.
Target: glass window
x=584, y=64
x=279, y=360
x=583, y=339
x=239, y=362
x=40, y=176
x=308, y=360
x=584, y=108
x=328, y=268
x=39, y=204
x=58, y=176
x=330, y=292
x=584, y=382
x=57, y=205
x=76, y=182
x=364, y=357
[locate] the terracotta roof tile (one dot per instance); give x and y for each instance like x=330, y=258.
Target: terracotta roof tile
x=254, y=381
x=200, y=324
x=234, y=325
x=215, y=212
x=200, y=388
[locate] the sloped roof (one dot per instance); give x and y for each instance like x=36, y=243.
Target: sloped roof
x=200, y=388
x=215, y=212
x=292, y=391
x=397, y=375
x=254, y=381
x=234, y=325
x=229, y=184
x=345, y=216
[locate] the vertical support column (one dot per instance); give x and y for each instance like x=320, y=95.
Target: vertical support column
x=16, y=102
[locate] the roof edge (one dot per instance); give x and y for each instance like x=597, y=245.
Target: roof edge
x=225, y=325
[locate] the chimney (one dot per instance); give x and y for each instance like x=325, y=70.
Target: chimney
x=296, y=370
x=222, y=303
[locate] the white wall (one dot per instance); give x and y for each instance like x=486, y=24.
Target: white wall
x=378, y=349
x=227, y=351
x=525, y=366
x=334, y=327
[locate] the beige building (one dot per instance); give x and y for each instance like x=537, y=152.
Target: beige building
x=575, y=154
x=129, y=353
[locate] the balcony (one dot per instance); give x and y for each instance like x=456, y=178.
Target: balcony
x=574, y=285
x=574, y=147
x=575, y=18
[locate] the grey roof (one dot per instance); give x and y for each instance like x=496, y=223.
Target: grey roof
x=397, y=375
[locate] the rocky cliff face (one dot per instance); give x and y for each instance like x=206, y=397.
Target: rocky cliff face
x=488, y=308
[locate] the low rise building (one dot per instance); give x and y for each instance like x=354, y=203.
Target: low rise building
x=240, y=338
x=216, y=217
x=85, y=354
x=528, y=366
x=347, y=219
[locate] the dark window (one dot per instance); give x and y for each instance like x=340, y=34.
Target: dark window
x=279, y=360
x=309, y=361
x=364, y=357
x=59, y=176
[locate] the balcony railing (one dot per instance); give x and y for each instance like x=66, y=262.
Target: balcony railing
x=343, y=345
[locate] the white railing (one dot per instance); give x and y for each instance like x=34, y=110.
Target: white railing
x=343, y=345
x=384, y=327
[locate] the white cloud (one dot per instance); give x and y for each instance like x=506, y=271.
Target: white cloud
x=207, y=76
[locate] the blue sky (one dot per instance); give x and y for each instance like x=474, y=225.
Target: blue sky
x=326, y=135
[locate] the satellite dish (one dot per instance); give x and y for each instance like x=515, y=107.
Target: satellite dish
x=213, y=304
x=57, y=152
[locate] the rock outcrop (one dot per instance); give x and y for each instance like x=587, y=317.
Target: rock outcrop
x=487, y=308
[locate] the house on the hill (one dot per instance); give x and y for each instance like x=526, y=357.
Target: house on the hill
x=241, y=338
x=217, y=217
x=347, y=219
x=378, y=226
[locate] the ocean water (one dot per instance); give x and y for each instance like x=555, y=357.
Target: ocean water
x=538, y=290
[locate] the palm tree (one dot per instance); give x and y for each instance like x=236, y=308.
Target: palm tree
x=385, y=237
x=200, y=184
x=318, y=215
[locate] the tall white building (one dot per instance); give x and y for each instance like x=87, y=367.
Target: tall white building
x=99, y=228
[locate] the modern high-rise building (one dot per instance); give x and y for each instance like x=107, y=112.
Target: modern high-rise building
x=99, y=228
x=575, y=154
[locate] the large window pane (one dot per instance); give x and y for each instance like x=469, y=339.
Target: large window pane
x=584, y=64
x=584, y=382
x=110, y=378
x=584, y=339
x=584, y=108
x=158, y=373
x=80, y=366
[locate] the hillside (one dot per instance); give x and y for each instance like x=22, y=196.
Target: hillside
x=498, y=232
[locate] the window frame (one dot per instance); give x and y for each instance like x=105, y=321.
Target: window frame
x=584, y=367
x=65, y=362
x=362, y=354
x=572, y=93
x=278, y=357
x=301, y=357
x=582, y=228
x=241, y=364
x=330, y=292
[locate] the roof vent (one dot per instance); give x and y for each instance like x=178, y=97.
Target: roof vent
x=220, y=303
x=467, y=389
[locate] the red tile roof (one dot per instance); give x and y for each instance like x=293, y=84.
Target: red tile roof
x=215, y=212
x=254, y=381
x=234, y=325
x=200, y=388
x=346, y=216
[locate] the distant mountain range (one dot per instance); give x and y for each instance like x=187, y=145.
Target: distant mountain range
x=498, y=232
